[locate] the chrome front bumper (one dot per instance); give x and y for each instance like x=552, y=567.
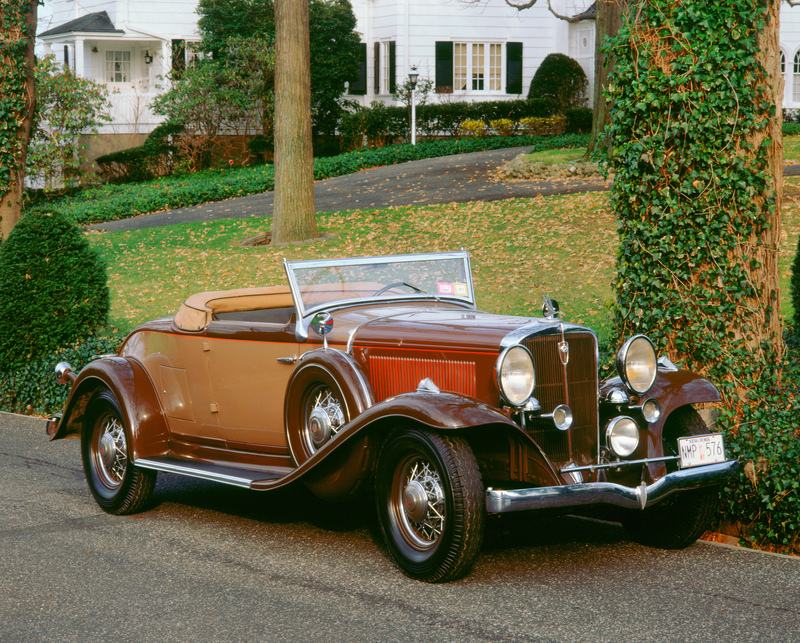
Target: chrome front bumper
x=608, y=493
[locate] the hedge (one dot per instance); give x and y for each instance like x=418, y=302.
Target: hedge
x=108, y=202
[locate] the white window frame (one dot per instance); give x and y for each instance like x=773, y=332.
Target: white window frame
x=479, y=67
x=796, y=78
x=118, y=70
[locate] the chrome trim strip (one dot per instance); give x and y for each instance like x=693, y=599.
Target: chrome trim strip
x=187, y=470
x=592, y=493
x=620, y=464
x=541, y=327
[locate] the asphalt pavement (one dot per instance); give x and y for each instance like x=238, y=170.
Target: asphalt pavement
x=448, y=179
x=206, y=562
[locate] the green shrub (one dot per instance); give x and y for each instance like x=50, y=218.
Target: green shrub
x=109, y=202
x=561, y=81
x=791, y=129
x=32, y=389
x=473, y=128
x=503, y=126
x=53, y=289
x=579, y=120
x=148, y=161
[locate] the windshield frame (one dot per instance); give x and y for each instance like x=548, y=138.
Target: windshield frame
x=305, y=312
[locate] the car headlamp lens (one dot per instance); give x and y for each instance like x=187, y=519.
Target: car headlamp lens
x=622, y=436
x=516, y=375
x=637, y=364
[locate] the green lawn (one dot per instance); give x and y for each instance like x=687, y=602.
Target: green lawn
x=521, y=249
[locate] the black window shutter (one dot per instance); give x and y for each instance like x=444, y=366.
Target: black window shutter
x=358, y=85
x=377, y=67
x=444, y=66
x=392, y=70
x=514, y=68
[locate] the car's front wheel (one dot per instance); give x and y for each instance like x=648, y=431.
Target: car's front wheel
x=430, y=504
x=116, y=484
x=683, y=517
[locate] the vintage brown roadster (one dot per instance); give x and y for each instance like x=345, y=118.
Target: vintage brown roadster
x=380, y=375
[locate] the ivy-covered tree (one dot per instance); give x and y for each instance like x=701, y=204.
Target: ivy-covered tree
x=334, y=44
x=17, y=33
x=67, y=108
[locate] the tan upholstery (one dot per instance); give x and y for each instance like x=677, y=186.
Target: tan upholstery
x=197, y=311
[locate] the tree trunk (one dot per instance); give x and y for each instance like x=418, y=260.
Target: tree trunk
x=294, y=216
x=608, y=19
x=18, y=25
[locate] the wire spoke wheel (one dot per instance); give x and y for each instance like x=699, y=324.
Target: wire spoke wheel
x=418, y=502
x=323, y=417
x=116, y=484
x=430, y=503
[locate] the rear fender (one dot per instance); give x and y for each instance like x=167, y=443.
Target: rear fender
x=137, y=399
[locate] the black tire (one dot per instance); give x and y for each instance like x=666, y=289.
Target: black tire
x=430, y=502
x=683, y=517
x=118, y=487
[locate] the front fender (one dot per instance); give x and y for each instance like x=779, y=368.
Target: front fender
x=137, y=399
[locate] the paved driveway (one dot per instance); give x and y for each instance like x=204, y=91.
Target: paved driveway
x=447, y=179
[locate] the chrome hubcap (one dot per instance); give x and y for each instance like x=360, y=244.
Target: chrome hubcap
x=325, y=419
x=112, y=452
x=423, y=512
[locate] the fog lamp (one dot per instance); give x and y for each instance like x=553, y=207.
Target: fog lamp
x=622, y=436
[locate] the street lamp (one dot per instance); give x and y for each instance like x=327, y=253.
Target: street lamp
x=412, y=80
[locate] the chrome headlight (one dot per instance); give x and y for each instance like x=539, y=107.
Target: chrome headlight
x=622, y=436
x=637, y=364
x=516, y=375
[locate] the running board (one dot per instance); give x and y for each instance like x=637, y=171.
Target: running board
x=247, y=478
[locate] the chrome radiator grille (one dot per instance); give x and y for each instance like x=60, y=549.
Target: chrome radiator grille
x=395, y=375
x=579, y=391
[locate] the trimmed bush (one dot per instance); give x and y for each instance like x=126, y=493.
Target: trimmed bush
x=53, y=289
x=561, y=81
x=579, y=120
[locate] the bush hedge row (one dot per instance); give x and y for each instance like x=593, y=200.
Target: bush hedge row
x=32, y=388
x=110, y=202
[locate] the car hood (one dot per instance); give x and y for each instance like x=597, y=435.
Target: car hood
x=436, y=328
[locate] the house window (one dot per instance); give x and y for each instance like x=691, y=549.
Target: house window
x=476, y=67
x=118, y=66
x=796, y=79
x=385, y=67
x=358, y=84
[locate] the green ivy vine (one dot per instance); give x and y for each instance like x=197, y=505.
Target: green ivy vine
x=16, y=31
x=693, y=124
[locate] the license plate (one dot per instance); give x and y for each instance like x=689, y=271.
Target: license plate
x=701, y=449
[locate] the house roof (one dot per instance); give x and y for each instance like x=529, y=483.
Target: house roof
x=98, y=23
x=589, y=14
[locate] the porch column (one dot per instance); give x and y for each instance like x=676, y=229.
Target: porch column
x=80, y=71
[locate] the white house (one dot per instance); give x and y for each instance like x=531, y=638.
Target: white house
x=129, y=45
x=481, y=50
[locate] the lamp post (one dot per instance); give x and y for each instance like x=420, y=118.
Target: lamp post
x=412, y=80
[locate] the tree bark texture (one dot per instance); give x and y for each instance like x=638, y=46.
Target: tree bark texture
x=608, y=19
x=294, y=215
x=17, y=30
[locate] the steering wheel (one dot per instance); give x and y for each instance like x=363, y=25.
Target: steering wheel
x=395, y=284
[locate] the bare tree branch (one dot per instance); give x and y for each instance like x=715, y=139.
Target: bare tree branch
x=521, y=5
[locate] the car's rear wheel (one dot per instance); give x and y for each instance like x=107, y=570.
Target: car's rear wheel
x=117, y=485
x=430, y=504
x=683, y=517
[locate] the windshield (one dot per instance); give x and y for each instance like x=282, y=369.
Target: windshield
x=330, y=282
